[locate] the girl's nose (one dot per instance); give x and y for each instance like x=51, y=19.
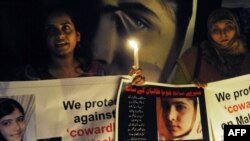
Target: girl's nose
x=223, y=34
x=16, y=126
x=59, y=34
x=172, y=114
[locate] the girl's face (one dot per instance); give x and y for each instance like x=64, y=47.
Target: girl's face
x=222, y=32
x=148, y=22
x=12, y=127
x=61, y=34
x=179, y=115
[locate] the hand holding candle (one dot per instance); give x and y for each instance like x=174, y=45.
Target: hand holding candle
x=136, y=72
x=134, y=45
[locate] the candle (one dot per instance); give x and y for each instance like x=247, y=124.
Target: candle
x=134, y=45
x=136, y=58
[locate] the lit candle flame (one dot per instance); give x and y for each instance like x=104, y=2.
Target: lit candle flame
x=134, y=45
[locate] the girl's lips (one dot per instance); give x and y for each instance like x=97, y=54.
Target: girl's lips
x=172, y=127
x=224, y=40
x=16, y=134
x=61, y=44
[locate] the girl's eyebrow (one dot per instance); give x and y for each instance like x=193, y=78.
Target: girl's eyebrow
x=130, y=6
x=5, y=120
x=175, y=102
x=50, y=24
x=180, y=102
x=229, y=23
x=138, y=7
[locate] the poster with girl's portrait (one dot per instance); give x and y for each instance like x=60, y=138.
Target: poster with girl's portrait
x=178, y=118
x=161, y=112
x=17, y=118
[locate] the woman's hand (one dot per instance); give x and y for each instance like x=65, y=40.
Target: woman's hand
x=138, y=78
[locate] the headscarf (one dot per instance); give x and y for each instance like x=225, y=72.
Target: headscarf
x=224, y=59
x=236, y=42
x=222, y=14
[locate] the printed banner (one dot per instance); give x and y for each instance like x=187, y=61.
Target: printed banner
x=228, y=103
x=157, y=111
x=83, y=109
x=79, y=109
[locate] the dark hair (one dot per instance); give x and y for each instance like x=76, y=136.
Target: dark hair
x=222, y=14
x=48, y=12
x=194, y=99
x=61, y=7
x=7, y=106
x=41, y=53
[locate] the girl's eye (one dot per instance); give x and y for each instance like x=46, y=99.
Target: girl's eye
x=180, y=107
x=50, y=30
x=229, y=28
x=142, y=23
x=66, y=28
x=215, y=31
x=5, y=123
x=166, y=106
x=20, y=119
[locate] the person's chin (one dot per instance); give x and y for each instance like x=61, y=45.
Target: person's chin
x=224, y=44
x=16, y=138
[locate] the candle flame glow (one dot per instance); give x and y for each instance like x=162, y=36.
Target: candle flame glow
x=133, y=43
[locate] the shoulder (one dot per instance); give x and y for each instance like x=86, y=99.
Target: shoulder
x=190, y=54
x=245, y=65
x=188, y=60
x=189, y=57
x=27, y=72
x=186, y=63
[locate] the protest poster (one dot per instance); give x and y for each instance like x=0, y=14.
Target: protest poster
x=78, y=109
x=228, y=103
x=83, y=109
x=13, y=111
x=158, y=111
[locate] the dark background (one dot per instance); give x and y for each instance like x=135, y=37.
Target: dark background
x=20, y=35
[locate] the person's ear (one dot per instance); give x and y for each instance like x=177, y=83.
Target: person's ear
x=78, y=35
